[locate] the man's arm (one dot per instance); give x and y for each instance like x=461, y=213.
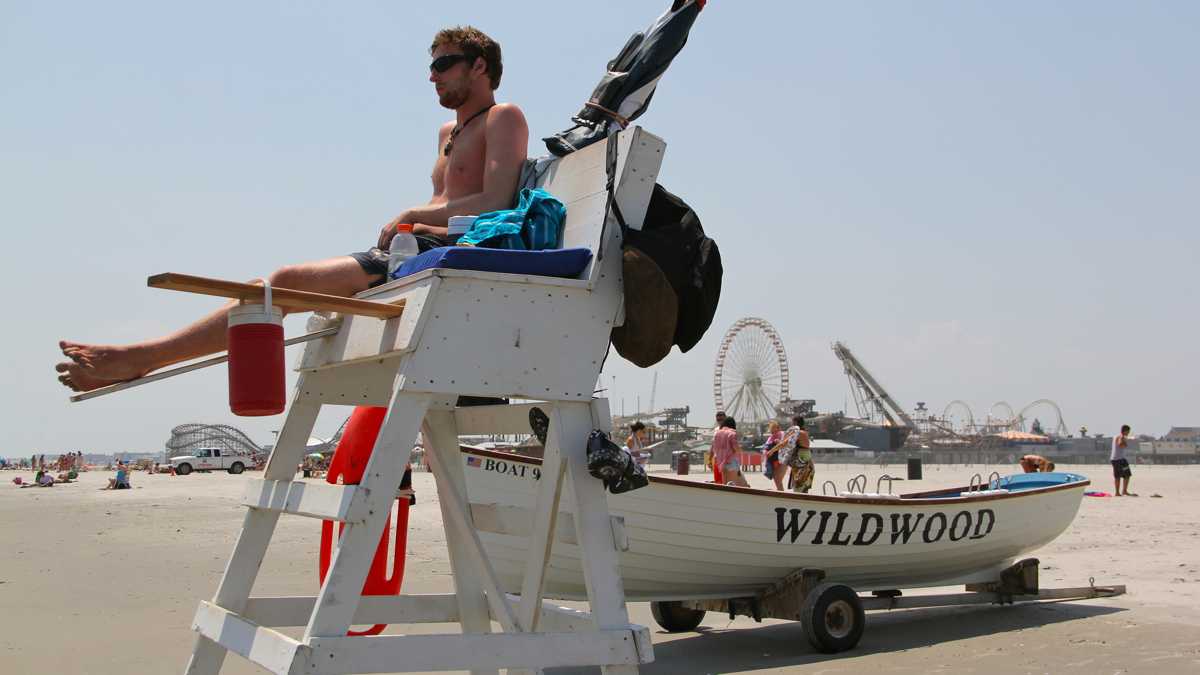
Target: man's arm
x=507, y=137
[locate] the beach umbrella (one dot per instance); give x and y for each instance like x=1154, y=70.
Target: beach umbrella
x=316, y=454
x=625, y=89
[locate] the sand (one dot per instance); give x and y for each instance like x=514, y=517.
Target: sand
x=107, y=582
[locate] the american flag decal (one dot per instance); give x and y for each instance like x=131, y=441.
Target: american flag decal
x=473, y=461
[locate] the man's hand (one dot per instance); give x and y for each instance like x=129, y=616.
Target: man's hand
x=389, y=230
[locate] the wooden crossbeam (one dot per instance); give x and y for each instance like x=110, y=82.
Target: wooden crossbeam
x=283, y=297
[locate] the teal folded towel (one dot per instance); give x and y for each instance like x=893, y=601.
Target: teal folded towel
x=536, y=224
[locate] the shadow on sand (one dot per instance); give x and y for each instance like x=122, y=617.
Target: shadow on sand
x=755, y=647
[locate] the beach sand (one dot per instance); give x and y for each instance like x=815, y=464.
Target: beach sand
x=107, y=582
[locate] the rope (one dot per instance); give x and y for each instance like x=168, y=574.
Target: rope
x=619, y=118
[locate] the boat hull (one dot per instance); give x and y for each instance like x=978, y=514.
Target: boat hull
x=687, y=540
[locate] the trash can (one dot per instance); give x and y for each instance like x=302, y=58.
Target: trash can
x=914, y=468
x=681, y=461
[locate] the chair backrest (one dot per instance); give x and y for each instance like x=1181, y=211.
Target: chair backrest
x=580, y=181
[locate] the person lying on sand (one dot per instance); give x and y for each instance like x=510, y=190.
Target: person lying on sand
x=479, y=160
x=1036, y=463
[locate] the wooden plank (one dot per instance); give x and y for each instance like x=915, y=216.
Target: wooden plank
x=459, y=529
x=343, y=503
x=384, y=653
x=545, y=521
x=602, y=576
x=372, y=609
x=283, y=297
x=497, y=419
x=268, y=648
x=442, y=453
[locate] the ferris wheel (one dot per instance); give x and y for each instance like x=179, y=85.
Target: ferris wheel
x=751, y=375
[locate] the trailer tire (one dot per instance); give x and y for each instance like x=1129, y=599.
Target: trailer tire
x=236, y=468
x=833, y=618
x=183, y=469
x=674, y=617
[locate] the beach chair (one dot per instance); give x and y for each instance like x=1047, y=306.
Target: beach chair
x=516, y=334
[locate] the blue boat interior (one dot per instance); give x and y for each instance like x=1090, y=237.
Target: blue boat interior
x=1028, y=481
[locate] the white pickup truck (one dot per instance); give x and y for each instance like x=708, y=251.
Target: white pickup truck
x=208, y=459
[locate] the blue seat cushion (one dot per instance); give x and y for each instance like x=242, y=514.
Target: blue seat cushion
x=563, y=262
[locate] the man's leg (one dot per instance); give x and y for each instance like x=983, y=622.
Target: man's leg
x=93, y=366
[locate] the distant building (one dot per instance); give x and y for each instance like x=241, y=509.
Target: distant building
x=1178, y=441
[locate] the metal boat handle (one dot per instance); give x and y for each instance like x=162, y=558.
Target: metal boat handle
x=825, y=488
x=976, y=483
x=859, y=481
x=880, y=482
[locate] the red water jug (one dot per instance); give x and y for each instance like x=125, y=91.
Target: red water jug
x=347, y=467
x=256, y=376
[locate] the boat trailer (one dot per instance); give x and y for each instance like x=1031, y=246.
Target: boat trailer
x=833, y=614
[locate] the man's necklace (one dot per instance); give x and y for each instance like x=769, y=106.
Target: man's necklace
x=459, y=127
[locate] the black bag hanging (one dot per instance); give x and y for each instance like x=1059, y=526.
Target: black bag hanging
x=674, y=239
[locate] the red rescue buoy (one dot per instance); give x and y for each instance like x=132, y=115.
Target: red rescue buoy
x=347, y=467
x=256, y=375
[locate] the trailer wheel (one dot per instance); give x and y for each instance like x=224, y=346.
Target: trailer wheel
x=833, y=618
x=674, y=617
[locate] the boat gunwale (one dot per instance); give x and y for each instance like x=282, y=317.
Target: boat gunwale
x=924, y=498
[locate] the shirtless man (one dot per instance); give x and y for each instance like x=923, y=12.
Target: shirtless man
x=479, y=158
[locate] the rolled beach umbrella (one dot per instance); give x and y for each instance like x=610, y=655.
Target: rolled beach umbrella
x=625, y=90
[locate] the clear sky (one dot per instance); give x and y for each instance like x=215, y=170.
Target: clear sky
x=987, y=201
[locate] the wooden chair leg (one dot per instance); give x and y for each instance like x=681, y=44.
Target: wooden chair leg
x=593, y=525
x=338, y=599
x=257, y=528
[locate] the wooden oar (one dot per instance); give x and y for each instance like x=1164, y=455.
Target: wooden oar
x=282, y=297
x=187, y=368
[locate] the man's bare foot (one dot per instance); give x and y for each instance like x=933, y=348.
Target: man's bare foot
x=93, y=366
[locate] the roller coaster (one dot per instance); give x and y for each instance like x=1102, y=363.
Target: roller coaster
x=186, y=438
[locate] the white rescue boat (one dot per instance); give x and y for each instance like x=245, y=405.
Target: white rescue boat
x=686, y=540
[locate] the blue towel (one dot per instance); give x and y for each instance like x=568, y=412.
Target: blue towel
x=536, y=224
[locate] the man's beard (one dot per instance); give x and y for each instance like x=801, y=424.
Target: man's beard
x=452, y=97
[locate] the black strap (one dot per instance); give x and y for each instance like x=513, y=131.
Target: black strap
x=611, y=206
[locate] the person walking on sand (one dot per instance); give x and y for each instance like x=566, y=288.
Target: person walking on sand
x=1120, y=463
x=725, y=454
x=480, y=155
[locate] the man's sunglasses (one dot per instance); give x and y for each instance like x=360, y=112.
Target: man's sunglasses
x=443, y=63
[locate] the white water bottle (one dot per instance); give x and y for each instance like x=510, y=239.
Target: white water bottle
x=404, y=246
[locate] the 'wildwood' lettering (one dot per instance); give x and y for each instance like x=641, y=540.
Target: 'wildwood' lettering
x=791, y=524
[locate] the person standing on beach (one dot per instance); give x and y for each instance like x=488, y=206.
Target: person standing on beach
x=725, y=454
x=1120, y=464
x=480, y=155
x=711, y=458
x=771, y=465
x=796, y=454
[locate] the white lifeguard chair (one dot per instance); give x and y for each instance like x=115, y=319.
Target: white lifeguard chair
x=461, y=333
